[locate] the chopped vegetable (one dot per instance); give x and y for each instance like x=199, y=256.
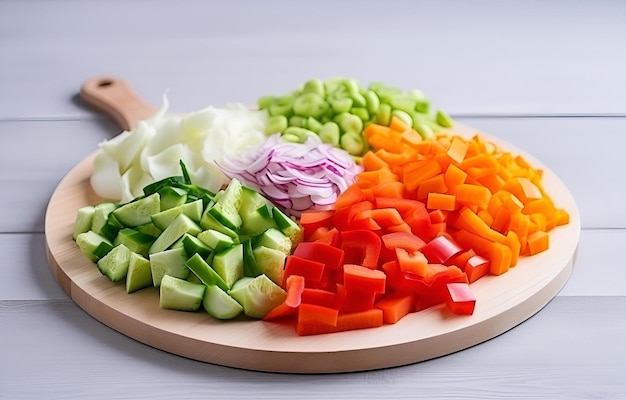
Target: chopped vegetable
x=151, y=151
x=295, y=176
x=338, y=109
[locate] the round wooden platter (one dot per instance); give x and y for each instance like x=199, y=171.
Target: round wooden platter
x=502, y=302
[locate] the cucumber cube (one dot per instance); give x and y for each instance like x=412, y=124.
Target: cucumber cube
x=226, y=209
x=136, y=241
x=220, y=304
x=100, y=216
x=172, y=197
x=139, y=275
x=271, y=262
x=138, y=211
x=229, y=264
x=216, y=240
x=84, y=220
x=257, y=295
x=208, y=221
x=201, y=268
x=274, y=239
x=193, y=245
x=88, y=242
x=182, y=224
x=179, y=294
x=288, y=226
x=115, y=264
x=168, y=262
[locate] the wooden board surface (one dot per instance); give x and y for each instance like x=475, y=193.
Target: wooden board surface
x=502, y=303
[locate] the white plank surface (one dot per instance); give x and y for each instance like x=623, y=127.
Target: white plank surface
x=551, y=56
x=554, y=355
x=494, y=63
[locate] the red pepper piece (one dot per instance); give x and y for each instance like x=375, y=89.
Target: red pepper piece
x=460, y=299
x=362, y=247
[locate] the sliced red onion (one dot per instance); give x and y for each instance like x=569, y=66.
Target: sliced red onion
x=295, y=176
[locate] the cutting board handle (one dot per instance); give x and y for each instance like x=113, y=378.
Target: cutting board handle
x=116, y=99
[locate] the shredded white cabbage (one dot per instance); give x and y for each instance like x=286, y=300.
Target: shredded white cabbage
x=153, y=149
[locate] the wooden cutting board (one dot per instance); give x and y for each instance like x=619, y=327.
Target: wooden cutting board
x=502, y=302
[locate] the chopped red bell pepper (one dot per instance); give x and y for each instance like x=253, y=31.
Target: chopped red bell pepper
x=459, y=298
x=441, y=249
x=362, y=247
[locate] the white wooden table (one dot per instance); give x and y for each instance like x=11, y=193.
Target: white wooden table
x=548, y=77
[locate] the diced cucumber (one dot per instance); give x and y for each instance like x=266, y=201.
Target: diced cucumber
x=208, y=221
x=182, y=224
x=216, y=240
x=172, y=197
x=139, y=274
x=193, y=245
x=255, y=212
x=271, y=262
x=136, y=241
x=274, y=239
x=257, y=295
x=250, y=265
x=179, y=294
x=220, y=304
x=194, y=279
x=258, y=221
x=170, y=262
x=200, y=268
x=194, y=209
x=226, y=209
x=88, y=242
x=101, y=213
x=111, y=227
x=84, y=220
x=150, y=229
x=288, y=226
x=229, y=264
x=164, y=218
x=138, y=211
x=115, y=264
x=102, y=249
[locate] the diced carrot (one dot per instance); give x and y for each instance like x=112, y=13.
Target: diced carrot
x=389, y=189
x=436, y=184
x=371, y=161
x=438, y=215
x=458, y=149
x=469, y=194
x=416, y=172
x=441, y=201
x=350, y=196
x=454, y=176
x=538, y=242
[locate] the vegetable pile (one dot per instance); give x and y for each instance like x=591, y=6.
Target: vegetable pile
x=353, y=208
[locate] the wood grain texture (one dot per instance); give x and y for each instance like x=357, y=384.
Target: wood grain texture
x=502, y=303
